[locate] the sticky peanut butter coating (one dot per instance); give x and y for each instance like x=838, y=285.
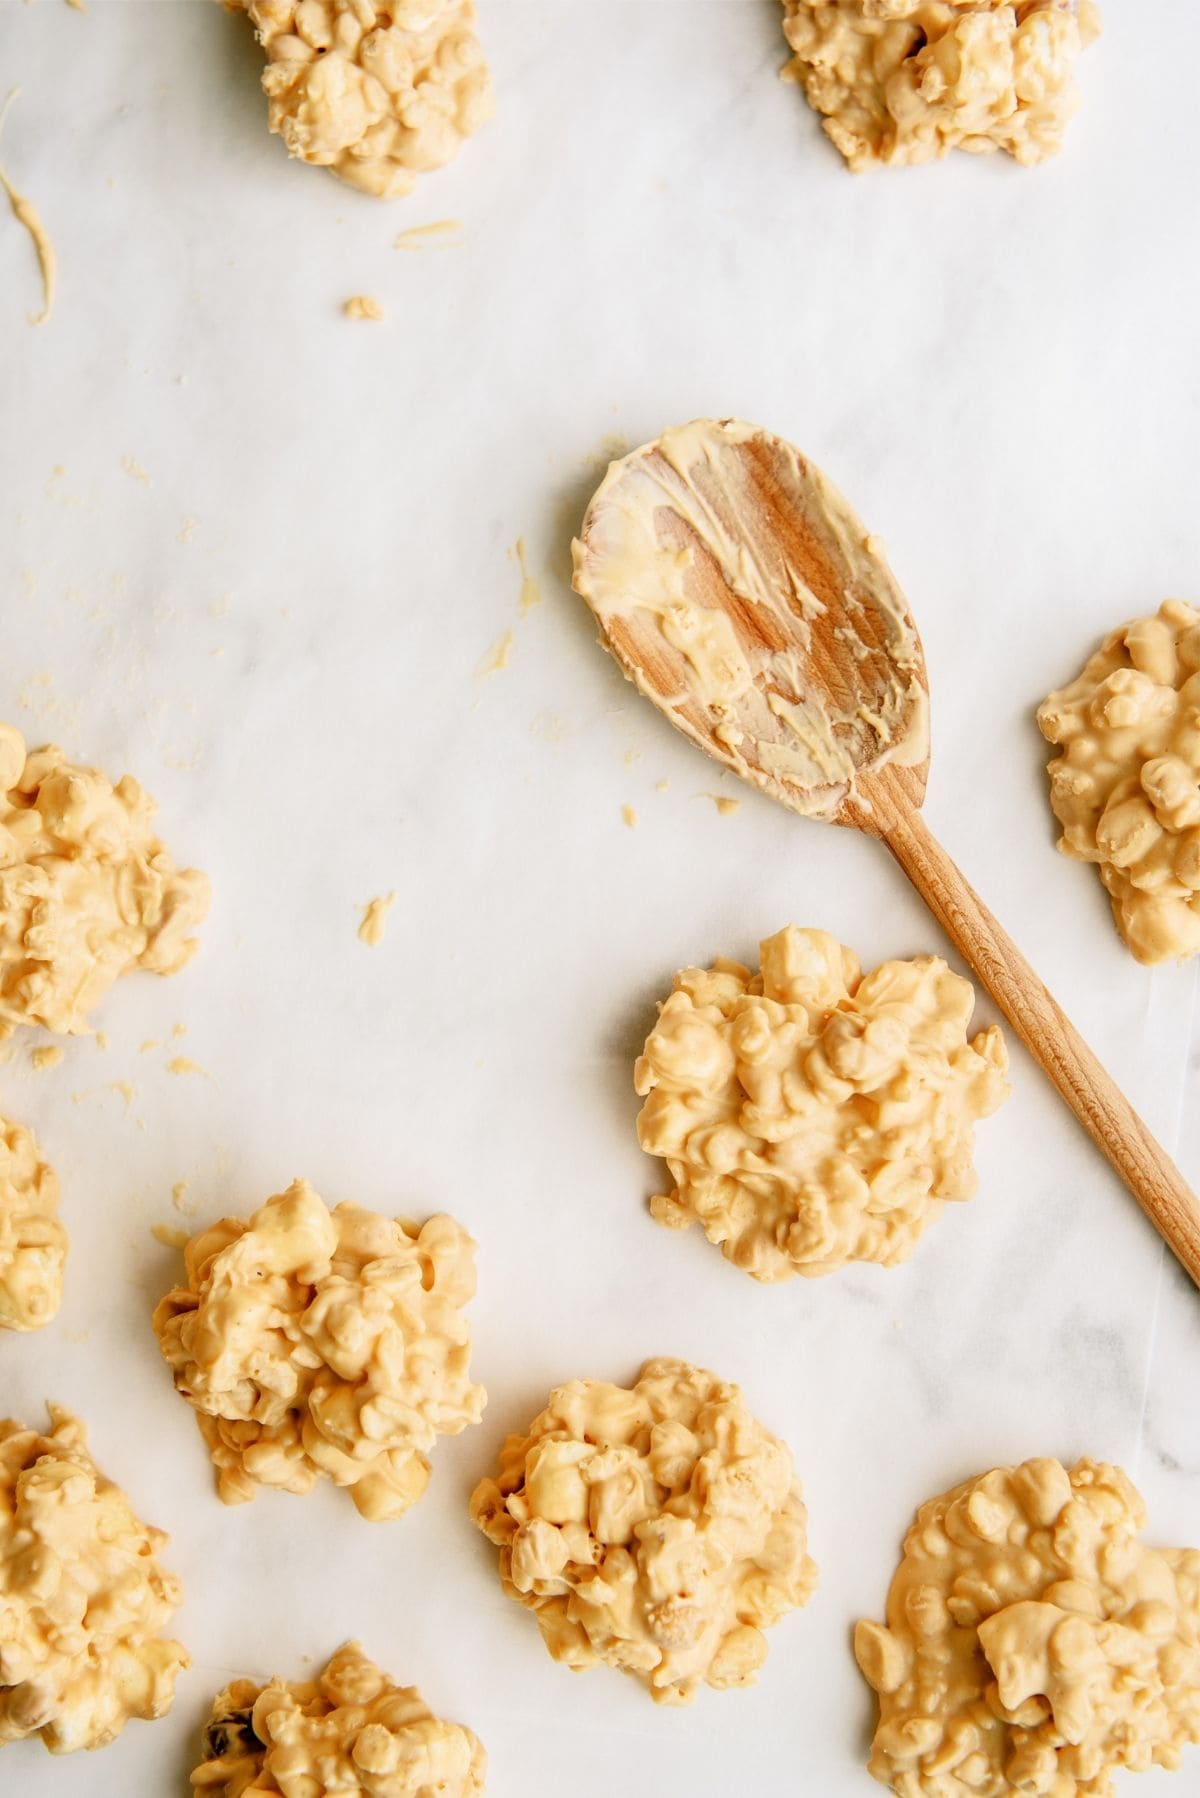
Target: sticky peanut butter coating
x=313, y=1342
x=1126, y=784
x=811, y=1115
x=83, y=1597
x=658, y=1529
x=906, y=81
x=1033, y=1643
x=351, y=1731
x=376, y=91
x=88, y=892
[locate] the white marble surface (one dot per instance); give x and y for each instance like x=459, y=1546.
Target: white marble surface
x=998, y=367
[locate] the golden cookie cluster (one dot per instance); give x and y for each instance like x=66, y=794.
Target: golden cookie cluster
x=905, y=81
x=811, y=1115
x=375, y=90
x=658, y=1529
x=1033, y=1643
x=1126, y=784
x=83, y=1598
x=33, y=1243
x=87, y=890
x=312, y=1342
x=349, y=1731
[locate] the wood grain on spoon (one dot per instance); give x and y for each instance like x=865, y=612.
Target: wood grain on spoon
x=741, y=594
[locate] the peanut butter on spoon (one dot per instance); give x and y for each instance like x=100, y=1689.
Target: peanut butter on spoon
x=740, y=593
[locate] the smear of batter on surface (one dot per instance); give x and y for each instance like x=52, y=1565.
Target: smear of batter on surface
x=48, y=1056
x=628, y=816
x=180, y=1064
x=531, y=592
x=374, y=920
x=495, y=658
x=442, y=234
x=26, y=214
x=135, y=471
x=361, y=305
x=169, y=1236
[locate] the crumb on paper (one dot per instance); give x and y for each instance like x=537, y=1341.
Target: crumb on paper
x=724, y=804
x=361, y=305
x=219, y=608
x=531, y=592
x=187, y=529
x=135, y=471
x=178, y=1192
x=178, y=1030
x=373, y=926
x=169, y=1236
x=662, y=786
x=101, y=1040
x=151, y=1043
x=632, y=756
x=48, y=1056
x=26, y=214
x=442, y=234
x=180, y=1064
x=551, y=727
x=497, y=657
x=628, y=816
x=126, y=1088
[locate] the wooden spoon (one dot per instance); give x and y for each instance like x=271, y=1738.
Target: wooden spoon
x=739, y=592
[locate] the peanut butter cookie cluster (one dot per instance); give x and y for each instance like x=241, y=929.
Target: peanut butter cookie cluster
x=811, y=1115
x=83, y=1599
x=1033, y=1643
x=87, y=891
x=905, y=81
x=658, y=1529
x=349, y=1731
x=33, y=1243
x=1126, y=785
x=313, y=1342
x=378, y=91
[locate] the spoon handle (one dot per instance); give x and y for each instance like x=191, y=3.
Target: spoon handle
x=1099, y=1104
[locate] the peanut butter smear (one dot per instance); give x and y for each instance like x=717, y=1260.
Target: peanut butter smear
x=906, y=81
x=350, y=1731
x=88, y=892
x=26, y=214
x=658, y=1529
x=1033, y=1643
x=684, y=561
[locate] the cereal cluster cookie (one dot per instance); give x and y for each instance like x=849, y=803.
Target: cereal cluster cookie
x=658, y=1529
x=1126, y=784
x=87, y=891
x=350, y=1731
x=905, y=81
x=315, y=1342
x=1033, y=1643
x=811, y=1115
x=375, y=90
x=83, y=1599
x=33, y=1243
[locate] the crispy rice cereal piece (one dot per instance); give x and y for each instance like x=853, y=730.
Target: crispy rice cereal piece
x=350, y=1731
x=1032, y=1642
x=904, y=81
x=87, y=891
x=659, y=1529
x=1126, y=785
x=311, y=1342
x=83, y=1599
x=375, y=90
x=811, y=1115
x=33, y=1243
